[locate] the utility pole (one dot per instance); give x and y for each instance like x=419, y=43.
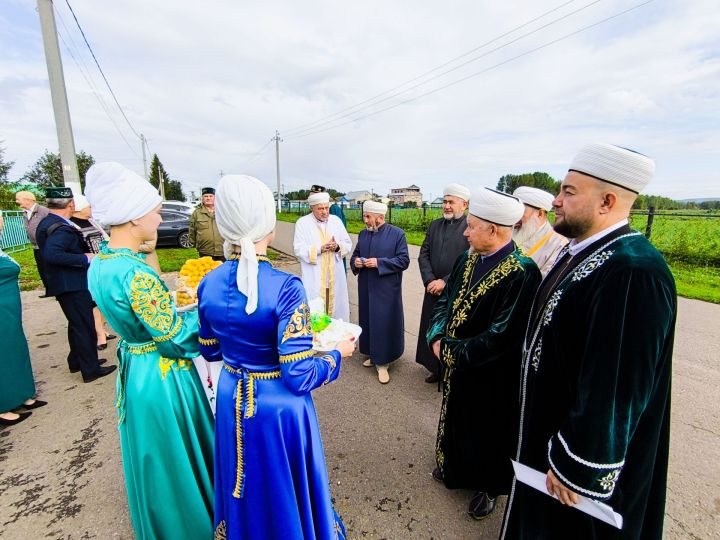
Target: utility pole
x=277, y=140
x=68, y=158
x=161, y=183
x=142, y=143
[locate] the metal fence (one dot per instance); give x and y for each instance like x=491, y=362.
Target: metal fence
x=14, y=236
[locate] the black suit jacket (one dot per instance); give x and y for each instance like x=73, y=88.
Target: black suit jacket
x=64, y=254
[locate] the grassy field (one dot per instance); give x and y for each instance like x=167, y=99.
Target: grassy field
x=691, y=245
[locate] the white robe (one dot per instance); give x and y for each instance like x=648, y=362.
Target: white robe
x=324, y=270
x=543, y=247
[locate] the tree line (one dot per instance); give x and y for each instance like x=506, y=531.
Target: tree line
x=47, y=172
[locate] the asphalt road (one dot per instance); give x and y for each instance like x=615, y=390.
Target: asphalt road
x=61, y=474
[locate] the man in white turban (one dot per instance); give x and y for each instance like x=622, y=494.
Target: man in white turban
x=597, y=363
x=321, y=241
x=442, y=245
x=533, y=233
x=379, y=259
x=476, y=333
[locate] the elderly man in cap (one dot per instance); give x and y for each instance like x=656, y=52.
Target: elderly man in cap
x=442, y=245
x=320, y=243
x=597, y=363
x=33, y=214
x=203, y=232
x=476, y=332
x=379, y=259
x=533, y=233
x=67, y=259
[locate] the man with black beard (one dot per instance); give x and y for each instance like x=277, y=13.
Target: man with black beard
x=595, y=380
x=533, y=233
x=442, y=245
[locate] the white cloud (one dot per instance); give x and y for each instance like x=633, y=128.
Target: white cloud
x=209, y=83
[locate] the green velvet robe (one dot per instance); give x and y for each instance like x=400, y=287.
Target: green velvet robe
x=595, y=400
x=481, y=324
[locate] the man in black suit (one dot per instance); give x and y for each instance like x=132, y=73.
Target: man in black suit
x=66, y=263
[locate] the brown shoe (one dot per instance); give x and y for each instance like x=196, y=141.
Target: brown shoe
x=432, y=378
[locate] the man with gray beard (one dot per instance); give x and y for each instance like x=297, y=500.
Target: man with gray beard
x=533, y=233
x=443, y=243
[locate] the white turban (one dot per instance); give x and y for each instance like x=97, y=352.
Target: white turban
x=535, y=197
x=318, y=198
x=457, y=190
x=81, y=202
x=374, y=207
x=118, y=195
x=615, y=165
x=245, y=214
x=496, y=207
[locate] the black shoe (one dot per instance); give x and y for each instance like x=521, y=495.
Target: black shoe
x=432, y=378
x=437, y=475
x=101, y=372
x=102, y=347
x=101, y=361
x=481, y=505
x=38, y=403
x=110, y=336
x=22, y=416
x=46, y=295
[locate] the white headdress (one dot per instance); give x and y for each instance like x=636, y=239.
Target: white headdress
x=457, y=190
x=245, y=214
x=535, y=197
x=615, y=165
x=118, y=195
x=496, y=207
x=318, y=198
x=374, y=207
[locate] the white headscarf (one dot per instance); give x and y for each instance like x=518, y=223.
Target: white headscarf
x=496, y=207
x=118, y=195
x=374, y=207
x=318, y=198
x=245, y=214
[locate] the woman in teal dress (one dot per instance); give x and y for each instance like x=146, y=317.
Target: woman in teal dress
x=17, y=386
x=271, y=481
x=165, y=421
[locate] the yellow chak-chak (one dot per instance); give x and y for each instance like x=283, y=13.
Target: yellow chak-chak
x=191, y=274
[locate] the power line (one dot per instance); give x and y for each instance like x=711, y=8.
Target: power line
x=463, y=64
x=458, y=81
x=86, y=75
x=100, y=69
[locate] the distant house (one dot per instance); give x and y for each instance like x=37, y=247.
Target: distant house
x=356, y=198
x=410, y=194
x=437, y=203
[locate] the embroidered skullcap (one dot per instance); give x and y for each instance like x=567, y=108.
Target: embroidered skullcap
x=537, y=198
x=208, y=191
x=496, y=207
x=615, y=165
x=81, y=202
x=245, y=214
x=316, y=188
x=318, y=198
x=118, y=195
x=457, y=190
x=374, y=207
x=58, y=192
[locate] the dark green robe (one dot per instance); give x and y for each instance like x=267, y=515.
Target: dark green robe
x=595, y=400
x=480, y=319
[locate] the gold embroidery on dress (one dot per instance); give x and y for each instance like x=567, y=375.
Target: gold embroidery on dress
x=167, y=364
x=142, y=349
x=299, y=324
x=174, y=332
x=151, y=302
x=208, y=342
x=332, y=364
x=287, y=358
x=220, y=531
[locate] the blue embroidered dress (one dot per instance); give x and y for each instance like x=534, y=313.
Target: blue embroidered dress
x=165, y=422
x=271, y=481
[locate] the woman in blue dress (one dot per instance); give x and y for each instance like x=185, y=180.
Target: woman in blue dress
x=271, y=480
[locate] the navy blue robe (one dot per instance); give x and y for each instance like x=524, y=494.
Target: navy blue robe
x=380, y=292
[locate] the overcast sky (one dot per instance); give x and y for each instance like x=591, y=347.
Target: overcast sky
x=208, y=83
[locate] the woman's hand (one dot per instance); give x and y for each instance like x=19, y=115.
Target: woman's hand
x=346, y=347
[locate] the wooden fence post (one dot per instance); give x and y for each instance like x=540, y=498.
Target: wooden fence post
x=651, y=216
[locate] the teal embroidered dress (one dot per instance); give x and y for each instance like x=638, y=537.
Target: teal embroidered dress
x=165, y=422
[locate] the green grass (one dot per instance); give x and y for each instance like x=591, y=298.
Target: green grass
x=697, y=282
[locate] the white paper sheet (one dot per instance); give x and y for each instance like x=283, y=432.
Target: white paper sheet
x=536, y=479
